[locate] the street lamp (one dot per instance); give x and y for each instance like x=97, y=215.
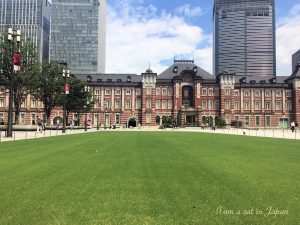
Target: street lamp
x=66, y=75
x=14, y=36
x=87, y=89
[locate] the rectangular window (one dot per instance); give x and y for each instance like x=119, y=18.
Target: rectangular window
x=1, y=118
x=257, y=121
x=217, y=104
x=97, y=103
x=164, y=92
x=170, y=104
x=107, y=91
x=288, y=93
x=278, y=93
x=204, y=104
x=33, y=122
x=204, y=90
x=118, y=104
x=227, y=92
x=148, y=103
x=278, y=105
x=128, y=104
x=236, y=105
x=227, y=104
x=164, y=104
x=149, y=91
x=170, y=91
x=157, y=104
x=247, y=121
x=268, y=93
x=138, y=104
x=1, y=102
x=138, y=92
x=128, y=91
x=217, y=92
x=209, y=104
x=257, y=105
x=118, y=91
x=236, y=92
x=117, y=119
x=267, y=105
x=246, y=93
x=97, y=91
x=33, y=103
x=106, y=103
x=268, y=121
x=148, y=118
x=257, y=93
x=246, y=105
x=157, y=91
x=22, y=118
x=288, y=105
x=210, y=92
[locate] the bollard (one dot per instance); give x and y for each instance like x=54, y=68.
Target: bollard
x=35, y=134
x=26, y=134
x=14, y=135
x=0, y=135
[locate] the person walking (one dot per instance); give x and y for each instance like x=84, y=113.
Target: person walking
x=39, y=125
x=293, y=126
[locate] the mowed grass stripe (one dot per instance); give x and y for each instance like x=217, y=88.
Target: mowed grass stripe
x=147, y=178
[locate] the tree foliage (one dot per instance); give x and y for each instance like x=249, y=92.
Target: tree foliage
x=22, y=78
x=48, y=86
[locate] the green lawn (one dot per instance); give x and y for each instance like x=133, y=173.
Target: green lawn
x=150, y=178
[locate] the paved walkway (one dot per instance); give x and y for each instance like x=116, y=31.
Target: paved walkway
x=286, y=134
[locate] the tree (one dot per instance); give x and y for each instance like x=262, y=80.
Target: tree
x=48, y=86
x=76, y=100
x=22, y=78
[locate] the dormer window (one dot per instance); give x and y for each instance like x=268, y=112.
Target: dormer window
x=195, y=69
x=109, y=80
x=129, y=79
x=119, y=80
x=99, y=80
x=175, y=69
x=89, y=78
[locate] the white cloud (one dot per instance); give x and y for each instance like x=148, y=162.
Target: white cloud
x=189, y=11
x=287, y=38
x=137, y=35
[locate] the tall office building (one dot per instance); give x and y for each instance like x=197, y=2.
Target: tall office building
x=244, y=37
x=32, y=17
x=295, y=59
x=78, y=34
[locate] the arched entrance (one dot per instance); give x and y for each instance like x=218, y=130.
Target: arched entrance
x=132, y=122
x=57, y=120
x=157, y=120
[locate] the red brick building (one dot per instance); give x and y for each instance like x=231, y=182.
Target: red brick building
x=187, y=94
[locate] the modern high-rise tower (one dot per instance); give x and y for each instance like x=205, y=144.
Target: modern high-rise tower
x=244, y=37
x=33, y=19
x=78, y=34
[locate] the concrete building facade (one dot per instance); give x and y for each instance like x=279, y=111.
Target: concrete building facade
x=244, y=37
x=78, y=34
x=32, y=17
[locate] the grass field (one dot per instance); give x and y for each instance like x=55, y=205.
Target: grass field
x=150, y=178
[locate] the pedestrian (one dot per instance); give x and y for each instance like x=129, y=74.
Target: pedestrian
x=39, y=125
x=72, y=124
x=57, y=124
x=293, y=126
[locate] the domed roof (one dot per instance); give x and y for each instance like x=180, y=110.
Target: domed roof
x=149, y=71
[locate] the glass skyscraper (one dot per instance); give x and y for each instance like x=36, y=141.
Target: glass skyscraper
x=78, y=34
x=32, y=17
x=244, y=37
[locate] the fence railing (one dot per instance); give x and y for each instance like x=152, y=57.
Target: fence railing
x=271, y=133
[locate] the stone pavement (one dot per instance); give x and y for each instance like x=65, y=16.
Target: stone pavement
x=276, y=133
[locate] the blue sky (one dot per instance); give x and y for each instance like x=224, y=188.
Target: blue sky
x=156, y=31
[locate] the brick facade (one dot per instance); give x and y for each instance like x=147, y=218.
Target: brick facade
x=185, y=92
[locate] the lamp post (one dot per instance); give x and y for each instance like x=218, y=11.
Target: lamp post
x=87, y=89
x=14, y=36
x=66, y=75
